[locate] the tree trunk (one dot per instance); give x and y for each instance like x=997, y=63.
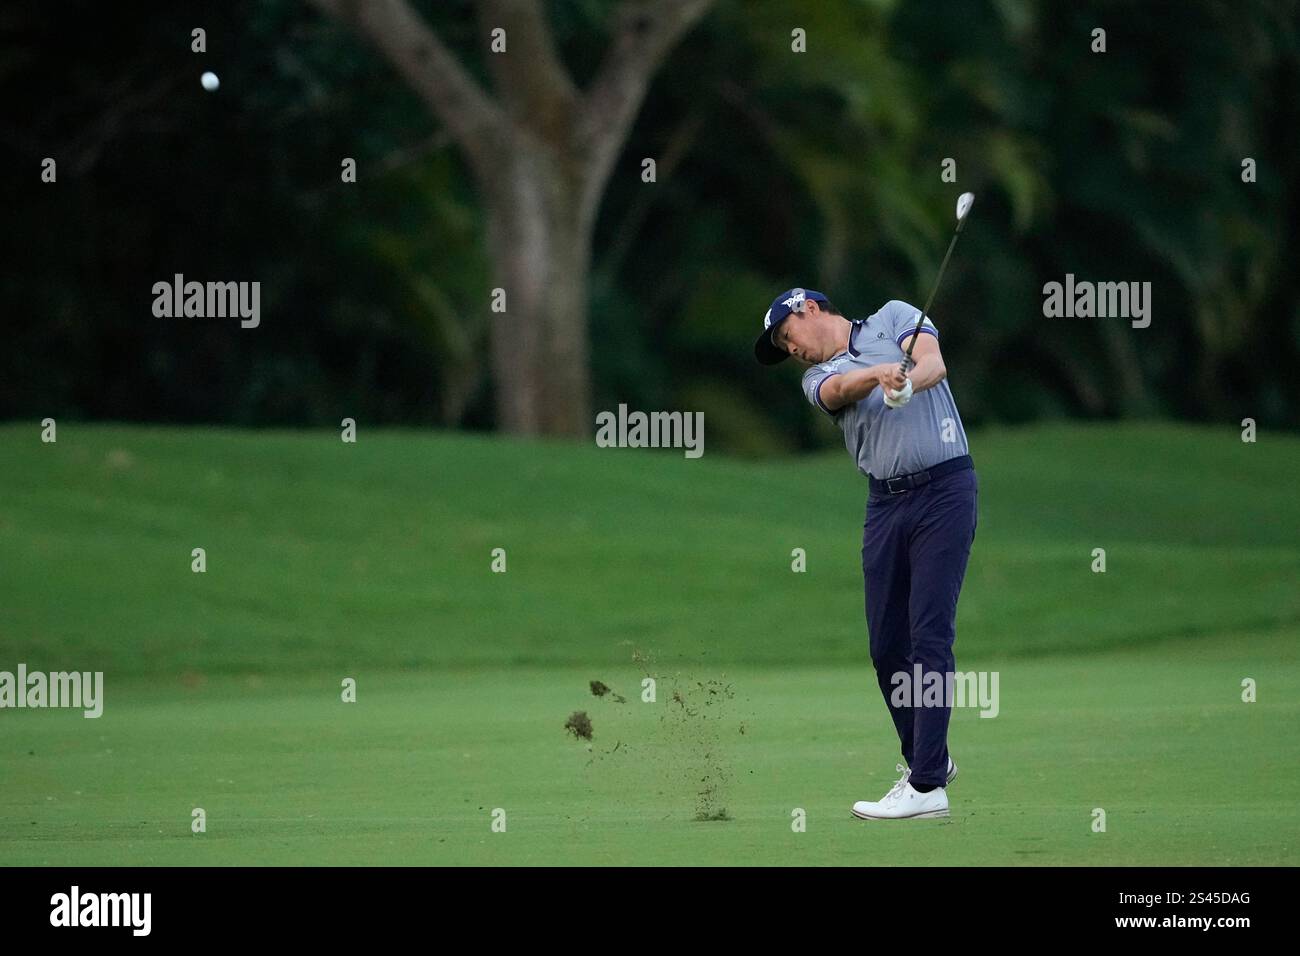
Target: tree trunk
x=541, y=151
x=539, y=233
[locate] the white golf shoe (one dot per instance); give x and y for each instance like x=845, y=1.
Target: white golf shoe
x=903, y=802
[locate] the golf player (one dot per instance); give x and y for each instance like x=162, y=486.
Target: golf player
x=901, y=426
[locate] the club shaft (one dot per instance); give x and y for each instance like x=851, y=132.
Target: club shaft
x=934, y=290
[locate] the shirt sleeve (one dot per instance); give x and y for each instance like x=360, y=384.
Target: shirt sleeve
x=812, y=386
x=904, y=316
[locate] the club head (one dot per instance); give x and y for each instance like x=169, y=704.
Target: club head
x=964, y=202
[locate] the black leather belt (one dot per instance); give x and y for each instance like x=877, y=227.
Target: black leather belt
x=902, y=483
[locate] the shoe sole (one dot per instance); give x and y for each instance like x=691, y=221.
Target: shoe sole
x=927, y=815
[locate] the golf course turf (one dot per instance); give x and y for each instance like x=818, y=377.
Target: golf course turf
x=1118, y=691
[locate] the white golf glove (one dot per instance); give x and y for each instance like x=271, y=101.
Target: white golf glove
x=901, y=397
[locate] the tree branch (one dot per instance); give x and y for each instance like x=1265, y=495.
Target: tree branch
x=629, y=230
x=644, y=32
x=529, y=75
x=474, y=120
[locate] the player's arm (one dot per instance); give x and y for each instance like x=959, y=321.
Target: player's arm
x=929, y=370
x=845, y=388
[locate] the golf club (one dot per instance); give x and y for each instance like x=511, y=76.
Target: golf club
x=964, y=202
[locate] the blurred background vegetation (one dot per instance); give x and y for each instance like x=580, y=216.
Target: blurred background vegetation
x=774, y=169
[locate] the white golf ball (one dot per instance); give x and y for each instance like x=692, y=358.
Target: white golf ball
x=209, y=81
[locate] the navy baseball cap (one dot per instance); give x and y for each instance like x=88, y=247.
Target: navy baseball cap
x=792, y=300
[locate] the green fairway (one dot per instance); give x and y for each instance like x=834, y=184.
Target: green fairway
x=1119, y=691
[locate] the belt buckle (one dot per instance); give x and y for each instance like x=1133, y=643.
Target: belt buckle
x=903, y=479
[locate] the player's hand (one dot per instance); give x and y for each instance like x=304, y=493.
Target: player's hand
x=901, y=397
x=890, y=377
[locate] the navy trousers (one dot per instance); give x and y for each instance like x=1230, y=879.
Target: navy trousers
x=915, y=546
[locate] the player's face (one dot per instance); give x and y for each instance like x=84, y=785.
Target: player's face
x=797, y=335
